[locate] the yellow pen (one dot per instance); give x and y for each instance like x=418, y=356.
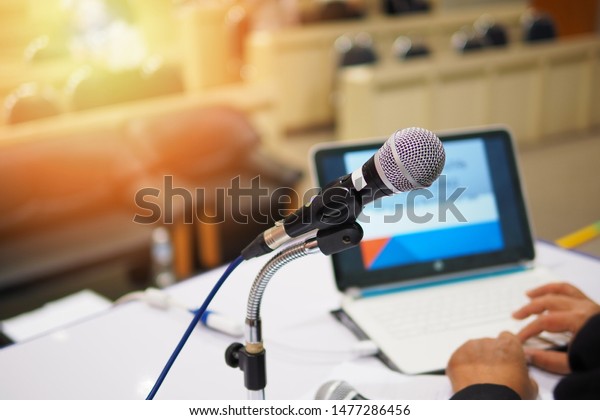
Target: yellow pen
x=580, y=236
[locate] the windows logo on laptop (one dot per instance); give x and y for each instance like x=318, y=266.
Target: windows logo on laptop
x=440, y=266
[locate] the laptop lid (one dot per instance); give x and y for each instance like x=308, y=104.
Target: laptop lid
x=473, y=218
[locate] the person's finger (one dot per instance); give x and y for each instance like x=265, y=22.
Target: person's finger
x=508, y=336
x=559, y=321
x=549, y=302
x=560, y=288
x=551, y=361
x=534, y=388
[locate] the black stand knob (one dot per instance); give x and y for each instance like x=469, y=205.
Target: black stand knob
x=252, y=364
x=232, y=355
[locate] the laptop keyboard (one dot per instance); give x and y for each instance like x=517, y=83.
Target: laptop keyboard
x=451, y=307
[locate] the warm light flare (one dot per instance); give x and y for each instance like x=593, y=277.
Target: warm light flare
x=102, y=36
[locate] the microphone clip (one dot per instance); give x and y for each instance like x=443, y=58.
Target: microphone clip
x=337, y=204
x=339, y=238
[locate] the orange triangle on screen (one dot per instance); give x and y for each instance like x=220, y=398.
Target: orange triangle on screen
x=371, y=249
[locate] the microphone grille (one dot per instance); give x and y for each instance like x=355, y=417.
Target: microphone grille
x=419, y=151
x=334, y=390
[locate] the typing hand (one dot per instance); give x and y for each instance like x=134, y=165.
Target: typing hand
x=560, y=307
x=494, y=361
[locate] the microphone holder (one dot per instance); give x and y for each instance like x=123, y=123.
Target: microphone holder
x=251, y=357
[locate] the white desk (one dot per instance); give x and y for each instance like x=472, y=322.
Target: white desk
x=119, y=354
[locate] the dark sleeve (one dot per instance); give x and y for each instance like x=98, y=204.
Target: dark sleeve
x=584, y=359
x=486, y=392
x=584, y=354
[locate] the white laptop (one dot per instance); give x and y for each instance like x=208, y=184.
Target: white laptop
x=438, y=267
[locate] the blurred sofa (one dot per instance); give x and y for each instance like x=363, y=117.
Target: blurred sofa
x=68, y=201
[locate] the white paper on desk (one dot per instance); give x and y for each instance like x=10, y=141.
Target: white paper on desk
x=373, y=382
x=54, y=314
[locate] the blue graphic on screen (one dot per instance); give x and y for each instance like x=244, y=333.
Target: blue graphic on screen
x=456, y=216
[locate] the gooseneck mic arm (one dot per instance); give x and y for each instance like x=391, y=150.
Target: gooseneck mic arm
x=250, y=358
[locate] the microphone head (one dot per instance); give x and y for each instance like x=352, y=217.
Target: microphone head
x=411, y=158
x=335, y=390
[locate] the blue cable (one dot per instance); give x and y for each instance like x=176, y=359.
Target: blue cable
x=188, y=332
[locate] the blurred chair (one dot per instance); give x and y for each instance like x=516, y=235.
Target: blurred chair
x=406, y=48
x=92, y=87
x=31, y=102
x=398, y=7
x=331, y=10
x=493, y=34
x=46, y=48
x=538, y=26
x=355, y=51
x=467, y=40
x=211, y=163
x=160, y=78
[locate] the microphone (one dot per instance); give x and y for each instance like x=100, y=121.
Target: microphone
x=338, y=390
x=410, y=159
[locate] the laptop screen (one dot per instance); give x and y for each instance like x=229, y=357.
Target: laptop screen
x=472, y=217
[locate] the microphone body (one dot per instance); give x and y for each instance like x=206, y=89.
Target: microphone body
x=338, y=390
x=410, y=159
